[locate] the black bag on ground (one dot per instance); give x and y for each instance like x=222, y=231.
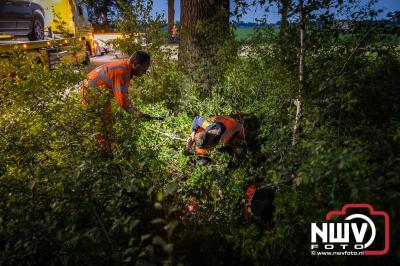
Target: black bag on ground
x=262, y=202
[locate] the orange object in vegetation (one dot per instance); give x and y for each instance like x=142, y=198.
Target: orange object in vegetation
x=114, y=78
x=103, y=83
x=233, y=131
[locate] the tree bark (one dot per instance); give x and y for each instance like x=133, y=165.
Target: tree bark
x=301, y=70
x=104, y=19
x=171, y=16
x=204, y=29
x=284, y=15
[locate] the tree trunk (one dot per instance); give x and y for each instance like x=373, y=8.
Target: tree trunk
x=104, y=22
x=204, y=29
x=284, y=15
x=105, y=8
x=171, y=16
x=301, y=70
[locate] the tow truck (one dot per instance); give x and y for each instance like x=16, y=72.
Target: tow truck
x=68, y=35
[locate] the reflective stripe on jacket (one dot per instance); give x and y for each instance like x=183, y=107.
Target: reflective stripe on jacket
x=114, y=78
x=205, y=123
x=232, y=129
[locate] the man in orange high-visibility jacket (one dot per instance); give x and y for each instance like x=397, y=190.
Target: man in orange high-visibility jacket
x=109, y=81
x=209, y=132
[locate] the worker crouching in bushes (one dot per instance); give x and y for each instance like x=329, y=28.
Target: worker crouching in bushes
x=209, y=132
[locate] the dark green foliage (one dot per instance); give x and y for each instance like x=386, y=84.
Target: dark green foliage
x=61, y=203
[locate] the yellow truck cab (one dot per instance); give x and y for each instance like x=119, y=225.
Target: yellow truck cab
x=68, y=34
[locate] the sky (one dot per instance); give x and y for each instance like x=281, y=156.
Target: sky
x=161, y=7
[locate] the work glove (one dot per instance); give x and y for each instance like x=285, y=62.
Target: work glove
x=158, y=118
x=189, y=143
x=145, y=117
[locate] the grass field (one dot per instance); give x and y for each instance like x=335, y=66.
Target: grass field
x=243, y=33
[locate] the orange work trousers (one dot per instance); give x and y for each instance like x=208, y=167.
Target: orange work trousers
x=98, y=102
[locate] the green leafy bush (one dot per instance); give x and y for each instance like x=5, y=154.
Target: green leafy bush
x=62, y=203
